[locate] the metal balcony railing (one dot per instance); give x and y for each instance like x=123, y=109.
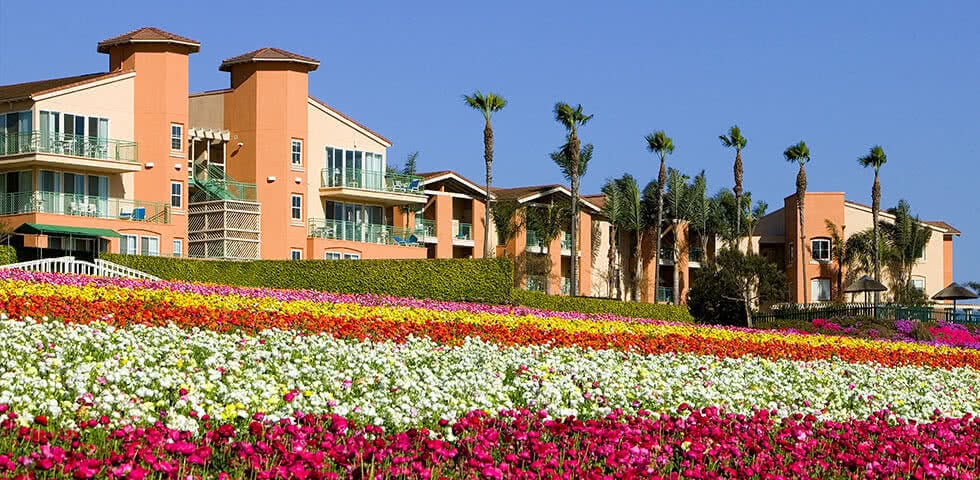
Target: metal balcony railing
x=67, y=144
x=84, y=206
x=464, y=232
x=427, y=227
x=665, y=294
x=364, y=232
x=371, y=180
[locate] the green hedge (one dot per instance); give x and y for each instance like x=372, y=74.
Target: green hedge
x=7, y=255
x=476, y=280
x=601, y=305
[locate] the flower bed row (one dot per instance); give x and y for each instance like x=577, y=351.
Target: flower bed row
x=136, y=375
x=122, y=306
x=705, y=444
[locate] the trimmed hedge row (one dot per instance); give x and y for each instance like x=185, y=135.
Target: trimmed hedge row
x=7, y=255
x=474, y=280
x=543, y=301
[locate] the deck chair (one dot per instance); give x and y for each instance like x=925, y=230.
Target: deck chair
x=413, y=240
x=399, y=240
x=414, y=185
x=139, y=213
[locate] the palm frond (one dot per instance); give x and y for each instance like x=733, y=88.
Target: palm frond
x=875, y=158
x=798, y=153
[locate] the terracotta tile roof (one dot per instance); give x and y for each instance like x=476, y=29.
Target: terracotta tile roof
x=428, y=175
x=943, y=225
x=269, y=54
x=598, y=199
x=20, y=91
x=351, y=120
x=148, y=35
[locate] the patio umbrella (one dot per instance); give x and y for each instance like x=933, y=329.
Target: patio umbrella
x=866, y=284
x=954, y=292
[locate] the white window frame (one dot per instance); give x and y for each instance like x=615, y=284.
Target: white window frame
x=332, y=256
x=179, y=196
x=294, y=209
x=921, y=280
x=352, y=256
x=178, y=247
x=814, y=282
x=813, y=250
x=295, y=254
x=148, y=252
x=296, y=157
x=128, y=244
x=177, y=136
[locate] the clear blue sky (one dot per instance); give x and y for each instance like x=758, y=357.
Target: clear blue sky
x=841, y=75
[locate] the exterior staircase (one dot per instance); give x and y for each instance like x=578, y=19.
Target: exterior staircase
x=222, y=215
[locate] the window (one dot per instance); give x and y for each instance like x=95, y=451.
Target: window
x=178, y=248
x=296, y=210
x=176, y=194
x=820, y=249
x=354, y=168
x=150, y=246
x=296, y=254
x=331, y=256
x=127, y=245
x=919, y=284
x=820, y=288
x=352, y=256
x=297, y=153
x=176, y=137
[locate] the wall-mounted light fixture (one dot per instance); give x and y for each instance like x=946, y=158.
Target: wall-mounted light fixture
x=177, y=166
x=270, y=179
x=299, y=180
x=149, y=165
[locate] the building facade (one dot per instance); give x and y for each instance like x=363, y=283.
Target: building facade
x=128, y=161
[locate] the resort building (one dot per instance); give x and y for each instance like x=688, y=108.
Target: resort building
x=777, y=238
x=539, y=241
x=130, y=162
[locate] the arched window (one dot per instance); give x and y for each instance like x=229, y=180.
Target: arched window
x=820, y=249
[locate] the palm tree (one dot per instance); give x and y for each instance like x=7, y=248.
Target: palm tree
x=487, y=105
x=908, y=238
x=631, y=220
x=735, y=140
x=800, y=154
x=752, y=218
x=612, y=209
x=411, y=163
x=573, y=166
x=701, y=211
x=838, y=252
x=679, y=207
x=875, y=159
x=659, y=143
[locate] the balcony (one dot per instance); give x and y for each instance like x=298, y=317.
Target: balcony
x=566, y=244
x=462, y=233
x=665, y=294
x=667, y=255
x=61, y=149
x=536, y=283
x=566, y=286
x=364, y=232
x=427, y=229
x=696, y=255
x=389, y=189
x=84, y=206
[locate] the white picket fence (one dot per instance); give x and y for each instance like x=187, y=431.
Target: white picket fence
x=98, y=268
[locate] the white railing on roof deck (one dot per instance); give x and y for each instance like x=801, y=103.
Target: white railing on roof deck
x=72, y=265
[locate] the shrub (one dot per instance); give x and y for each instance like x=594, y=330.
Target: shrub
x=719, y=293
x=543, y=301
x=7, y=255
x=476, y=280
x=920, y=331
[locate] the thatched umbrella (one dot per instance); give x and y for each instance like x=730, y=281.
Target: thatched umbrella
x=866, y=284
x=954, y=292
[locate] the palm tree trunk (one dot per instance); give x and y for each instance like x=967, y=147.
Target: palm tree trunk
x=661, y=179
x=875, y=207
x=738, y=194
x=573, y=231
x=638, y=258
x=800, y=198
x=488, y=157
x=677, y=272
x=613, y=278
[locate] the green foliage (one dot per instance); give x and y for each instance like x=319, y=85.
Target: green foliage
x=7, y=255
x=540, y=300
x=909, y=296
x=477, y=280
x=875, y=158
x=720, y=290
x=411, y=163
x=485, y=104
x=508, y=217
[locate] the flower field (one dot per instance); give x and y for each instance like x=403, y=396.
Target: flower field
x=106, y=378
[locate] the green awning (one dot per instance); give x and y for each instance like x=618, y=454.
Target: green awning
x=40, y=228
